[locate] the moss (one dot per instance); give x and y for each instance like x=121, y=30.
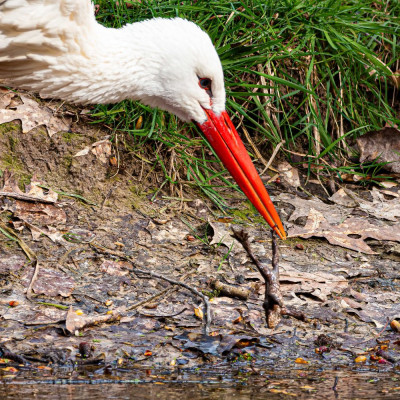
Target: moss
x=68, y=161
x=11, y=162
x=24, y=179
x=136, y=199
x=70, y=136
x=7, y=127
x=13, y=141
x=247, y=212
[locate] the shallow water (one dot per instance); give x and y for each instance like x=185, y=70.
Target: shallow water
x=238, y=384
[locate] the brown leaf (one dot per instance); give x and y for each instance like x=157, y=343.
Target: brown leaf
x=39, y=213
x=338, y=235
x=75, y=322
x=50, y=282
x=101, y=149
x=117, y=268
x=32, y=114
x=383, y=146
x=33, y=191
x=319, y=285
x=289, y=174
x=379, y=207
x=333, y=213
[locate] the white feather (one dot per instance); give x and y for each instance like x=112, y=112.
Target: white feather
x=59, y=50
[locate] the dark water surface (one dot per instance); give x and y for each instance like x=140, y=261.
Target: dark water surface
x=238, y=384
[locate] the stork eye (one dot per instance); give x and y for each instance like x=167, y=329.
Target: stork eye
x=205, y=83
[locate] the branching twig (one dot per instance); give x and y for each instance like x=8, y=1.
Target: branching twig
x=206, y=309
x=168, y=291
x=29, y=253
x=5, y=353
x=273, y=301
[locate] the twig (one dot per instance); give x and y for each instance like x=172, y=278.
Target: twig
x=29, y=253
x=271, y=159
x=230, y=290
x=168, y=290
x=164, y=315
x=25, y=197
x=206, y=308
x=29, y=291
x=106, y=198
x=5, y=353
x=273, y=301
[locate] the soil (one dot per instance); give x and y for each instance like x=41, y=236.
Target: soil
x=88, y=307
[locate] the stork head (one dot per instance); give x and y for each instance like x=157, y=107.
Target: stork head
x=188, y=81
x=184, y=71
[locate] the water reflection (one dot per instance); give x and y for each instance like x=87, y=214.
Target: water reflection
x=207, y=385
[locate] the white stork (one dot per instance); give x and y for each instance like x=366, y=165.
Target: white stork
x=57, y=48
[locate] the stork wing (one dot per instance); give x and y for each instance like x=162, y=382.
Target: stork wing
x=42, y=42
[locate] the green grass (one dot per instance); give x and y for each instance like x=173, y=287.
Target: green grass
x=313, y=73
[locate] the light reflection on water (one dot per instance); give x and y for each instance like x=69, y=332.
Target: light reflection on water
x=303, y=385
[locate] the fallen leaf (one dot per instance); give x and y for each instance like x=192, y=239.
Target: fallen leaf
x=320, y=285
x=101, y=149
x=116, y=268
x=75, y=322
x=289, y=174
x=33, y=191
x=332, y=212
x=317, y=225
x=33, y=114
x=9, y=369
x=360, y=359
x=198, y=313
x=395, y=325
x=300, y=360
x=50, y=282
x=379, y=207
x=52, y=233
x=382, y=146
x=281, y=391
x=39, y=213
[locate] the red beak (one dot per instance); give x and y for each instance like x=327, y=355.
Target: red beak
x=222, y=135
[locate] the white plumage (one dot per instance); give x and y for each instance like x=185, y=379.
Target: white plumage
x=57, y=48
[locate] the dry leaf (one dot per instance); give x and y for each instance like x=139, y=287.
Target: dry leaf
x=360, y=359
x=50, y=282
x=74, y=322
x=395, y=325
x=222, y=235
x=198, y=312
x=338, y=235
x=319, y=285
x=33, y=191
x=333, y=213
x=300, y=360
x=101, y=149
x=32, y=114
x=289, y=174
x=379, y=207
x=383, y=146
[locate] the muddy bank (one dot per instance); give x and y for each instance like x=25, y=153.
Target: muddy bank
x=94, y=221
